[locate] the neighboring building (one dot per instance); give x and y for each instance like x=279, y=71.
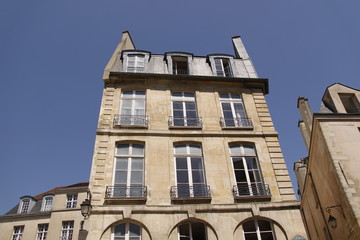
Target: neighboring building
x=54, y=214
x=186, y=149
x=329, y=178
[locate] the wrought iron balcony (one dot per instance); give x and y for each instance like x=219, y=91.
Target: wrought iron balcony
x=255, y=190
x=125, y=192
x=236, y=123
x=130, y=120
x=185, y=122
x=190, y=192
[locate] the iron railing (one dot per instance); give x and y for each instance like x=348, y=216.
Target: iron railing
x=135, y=69
x=251, y=190
x=185, y=122
x=200, y=191
x=236, y=122
x=130, y=120
x=123, y=192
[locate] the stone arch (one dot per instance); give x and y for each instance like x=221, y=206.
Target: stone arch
x=108, y=230
x=279, y=231
x=212, y=235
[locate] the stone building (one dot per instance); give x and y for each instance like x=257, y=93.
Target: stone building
x=54, y=214
x=186, y=149
x=329, y=178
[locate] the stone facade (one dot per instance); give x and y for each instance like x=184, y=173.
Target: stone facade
x=159, y=213
x=329, y=178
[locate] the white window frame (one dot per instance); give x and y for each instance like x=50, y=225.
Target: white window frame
x=47, y=203
x=258, y=231
x=71, y=200
x=25, y=205
x=237, y=117
x=18, y=232
x=133, y=119
x=140, y=59
x=131, y=157
x=188, y=155
x=243, y=156
x=215, y=65
x=42, y=231
x=67, y=230
x=170, y=56
x=184, y=100
x=127, y=232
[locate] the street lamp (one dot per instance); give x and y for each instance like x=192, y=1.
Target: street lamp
x=85, y=208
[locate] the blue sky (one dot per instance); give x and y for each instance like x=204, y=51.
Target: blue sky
x=52, y=55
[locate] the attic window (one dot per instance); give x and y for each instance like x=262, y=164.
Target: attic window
x=180, y=65
x=135, y=61
x=25, y=205
x=221, y=65
x=350, y=102
x=47, y=204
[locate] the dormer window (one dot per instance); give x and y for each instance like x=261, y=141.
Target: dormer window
x=179, y=63
x=25, y=205
x=221, y=65
x=350, y=102
x=135, y=61
x=180, y=66
x=47, y=203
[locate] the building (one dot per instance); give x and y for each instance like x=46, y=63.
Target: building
x=54, y=214
x=186, y=149
x=329, y=177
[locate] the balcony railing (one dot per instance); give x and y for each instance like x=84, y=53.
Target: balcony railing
x=125, y=192
x=236, y=122
x=130, y=120
x=251, y=190
x=185, y=122
x=190, y=192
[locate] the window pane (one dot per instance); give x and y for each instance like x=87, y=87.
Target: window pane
x=226, y=106
x=180, y=149
x=249, y=226
x=181, y=163
x=251, y=163
x=238, y=163
x=235, y=150
x=140, y=94
x=182, y=176
x=136, y=177
x=251, y=236
x=121, y=163
x=122, y=149
x=196, y=163
x=264, y=225
x=195, y=149
x=120, y=230
x=137, y=164
x=184, y=230
x=198, y=231
x=249, y=150
x=134, y=230
x=198, y=177
x=178, y=105
x=176, y=94
x=120, y=177
x=240, y=176
x=267, y=236
x=138, y=149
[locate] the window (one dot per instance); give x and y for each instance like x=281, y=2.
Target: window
x=223, y=67
x=47, y=204
x=190, y=175
x=135, y=63
x=127, y=231
x=67, y=230
x=129, y=171
x=234, y=114
x=246, y=170
x=132, y=112
x=350, y=102
x=179, y=62
x=42, y=231
x=18, y=233
x=184, y=110
x=71, y=200
x=24, y=205
x=192, y=231
x=258, y=230
x=180, y=65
